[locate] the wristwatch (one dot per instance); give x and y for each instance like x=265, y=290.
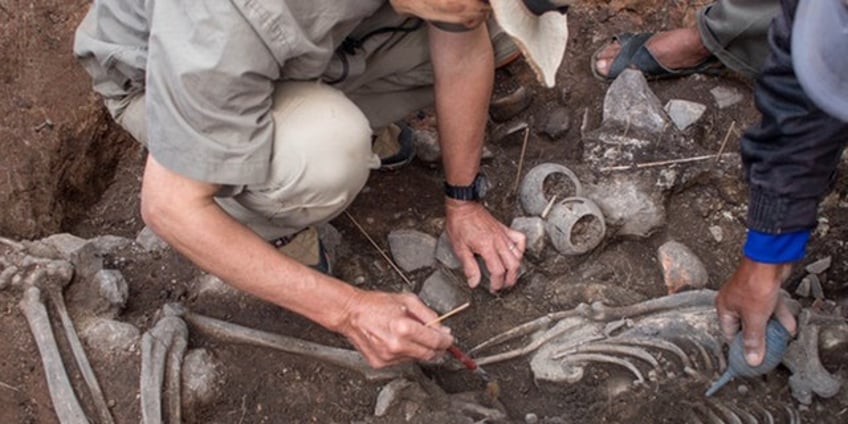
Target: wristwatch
x=475, y=191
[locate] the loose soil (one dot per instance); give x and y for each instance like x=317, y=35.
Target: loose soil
x=265, y=386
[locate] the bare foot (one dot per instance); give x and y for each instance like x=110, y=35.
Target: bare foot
x=675, y=49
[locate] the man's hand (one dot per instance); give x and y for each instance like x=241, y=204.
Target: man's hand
x=470, y=13
x=751, y=296
x=389, y=328
x=472, y=229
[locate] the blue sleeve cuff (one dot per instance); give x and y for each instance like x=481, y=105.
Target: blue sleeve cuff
x=776, y=248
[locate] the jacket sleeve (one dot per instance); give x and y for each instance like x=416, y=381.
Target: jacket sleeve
x=791, y=156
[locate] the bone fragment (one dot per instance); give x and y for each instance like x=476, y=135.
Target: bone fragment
x=7, y=275
x=166, y=342
x=65, y=402
x=55, y=293
x=708, y=362
x=601, y=312
x=340, y=357
x=535, y=344
x=766, y=413
x=730, y=417
x=802, y=358
x=658, y=344
x=608, y=348
x=11, y=243
x=794, y=417
x=594, y=357
x=743, y=414
x=532, y=326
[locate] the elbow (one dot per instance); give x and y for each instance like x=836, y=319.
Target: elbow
x=156, y=211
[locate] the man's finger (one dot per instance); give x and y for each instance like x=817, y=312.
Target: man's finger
x=496, y=268
x=785, y=317
x=469, y=266
x=512, y=264
x=729, y=323
x=519, y=240
x=754, y=338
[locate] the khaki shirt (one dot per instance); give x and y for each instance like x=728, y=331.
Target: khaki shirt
x=207, y=69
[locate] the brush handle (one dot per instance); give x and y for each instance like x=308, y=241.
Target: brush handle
x=462, y=357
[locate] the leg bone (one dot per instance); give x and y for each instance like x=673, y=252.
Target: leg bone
x=62, y=395
x=340, y=357
x=164, y=343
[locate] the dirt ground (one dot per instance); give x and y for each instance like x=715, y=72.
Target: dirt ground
x=265, y=386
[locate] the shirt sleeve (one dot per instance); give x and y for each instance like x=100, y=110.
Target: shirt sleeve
x=209, y=90
x=776, y=248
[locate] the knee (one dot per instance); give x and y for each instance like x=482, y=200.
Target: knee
x=326, y=137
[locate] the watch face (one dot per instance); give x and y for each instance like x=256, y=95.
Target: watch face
x=481, y=185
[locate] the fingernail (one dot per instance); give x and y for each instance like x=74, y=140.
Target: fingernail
x=752, y=358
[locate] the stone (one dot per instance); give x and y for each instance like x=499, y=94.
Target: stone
x=331, y=238
x=726, y=97
x=684, y=113
x=427, y=146
x=412, y=249
x=84, y=256
x=630, y=103
x=113, y=287
x=557, y=123
x=681, y=267
x=637, y=208
x=803, y=289
x=819, y=266
x=208, y=285
x=531, y=418
x=444, y=252
x=441, y=293
x=202, y=380
x=534, y=229
x=149, y=241
x=717, y=233
x=816, y=290
x=110, y=337
x=506, y=107
x=109, y=244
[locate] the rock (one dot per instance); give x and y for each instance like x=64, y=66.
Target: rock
x=803, y=289
x=208, y=285
x=681, y=267
x=444, y=253
x=441, y=293
x=412, y=249
x=531, y=418
x=500, y=132
x=331, y=238
x=534, y=229
x=816, y=290
x=151, y=242
x=110, y=337
x=636, y=207
x=819, y=266
x=109, y=244
x=506, y=107
x=630, y=103
x=557, y=123
x=684, y=113
x=427, y=146
x=717, y=233
x=726, y=97
x=78, y=251
x=113, y=287
x=202, y=380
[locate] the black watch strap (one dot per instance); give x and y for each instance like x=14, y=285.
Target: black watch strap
x=472, y=192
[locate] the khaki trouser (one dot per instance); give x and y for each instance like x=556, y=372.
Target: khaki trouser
x=735, y=32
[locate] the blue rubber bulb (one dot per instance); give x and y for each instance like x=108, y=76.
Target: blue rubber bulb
x=777, y=339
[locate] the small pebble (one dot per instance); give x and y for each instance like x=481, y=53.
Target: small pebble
x=717, y=233
x=819, y=266
x=531, y=418
x=743, y=389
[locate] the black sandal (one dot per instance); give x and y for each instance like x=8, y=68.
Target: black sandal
x=634, y=55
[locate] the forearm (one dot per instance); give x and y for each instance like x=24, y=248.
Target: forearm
x=236, y=254
x=463, y=65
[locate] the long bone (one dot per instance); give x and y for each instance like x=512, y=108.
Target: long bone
x=802, y=358
x=54, y=276
x=65, y=402
x=162, y=346
x=340, y=357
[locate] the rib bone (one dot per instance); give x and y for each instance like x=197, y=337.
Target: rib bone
x=65, y=402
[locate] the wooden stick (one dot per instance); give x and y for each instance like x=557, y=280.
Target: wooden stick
x=454, y=311
x=550, y=205
x=385, y=256
x=724, y=143
x=660, y=163
x=521, y=159
x=10, y=387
